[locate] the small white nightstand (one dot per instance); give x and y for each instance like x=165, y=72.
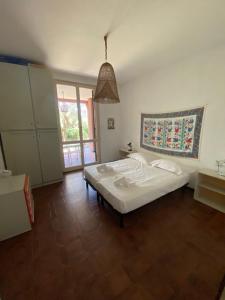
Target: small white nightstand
x=210, y=189
x=124, y=152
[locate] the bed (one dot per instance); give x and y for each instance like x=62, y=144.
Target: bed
x=131, y=183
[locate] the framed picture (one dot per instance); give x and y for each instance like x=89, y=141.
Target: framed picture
x=176, y=133
x=111, y=123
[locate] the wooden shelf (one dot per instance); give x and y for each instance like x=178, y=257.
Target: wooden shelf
x=210, y=189
x=212, y=204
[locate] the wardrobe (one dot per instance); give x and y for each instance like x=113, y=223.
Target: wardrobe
x=28, y=123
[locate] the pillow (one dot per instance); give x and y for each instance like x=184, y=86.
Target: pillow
x=167, y=165
x=145, y=158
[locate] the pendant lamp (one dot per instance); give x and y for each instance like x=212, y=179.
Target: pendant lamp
x=106, y=89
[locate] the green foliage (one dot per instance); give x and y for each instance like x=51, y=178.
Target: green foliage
x=70, y=124
x=85, y=131
x=72, y=134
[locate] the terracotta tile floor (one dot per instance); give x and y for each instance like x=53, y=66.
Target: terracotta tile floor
x=172, y=249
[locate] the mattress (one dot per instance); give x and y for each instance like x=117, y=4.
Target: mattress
x=148, y=183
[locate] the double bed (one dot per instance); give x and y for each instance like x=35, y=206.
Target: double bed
x=131, y=183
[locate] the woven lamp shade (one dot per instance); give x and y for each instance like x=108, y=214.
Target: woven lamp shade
x=106, y=89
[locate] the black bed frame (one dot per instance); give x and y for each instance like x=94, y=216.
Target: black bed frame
x=221, y=288
x=101, y=199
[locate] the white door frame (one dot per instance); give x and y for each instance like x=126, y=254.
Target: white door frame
x=78, y=85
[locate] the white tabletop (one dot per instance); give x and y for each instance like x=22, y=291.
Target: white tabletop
x=128, y=151
x=212, y=173
x=11, y=184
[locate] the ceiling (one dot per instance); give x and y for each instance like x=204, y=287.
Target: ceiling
x=144, y=34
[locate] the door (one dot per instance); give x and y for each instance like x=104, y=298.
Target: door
x=21, y=154
x=43, y=96
x=78, y=122
x=15, y=98
x=50, y=155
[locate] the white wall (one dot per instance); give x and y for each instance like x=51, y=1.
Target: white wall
x=109, y=139
x=194, y=82
x=60, y=75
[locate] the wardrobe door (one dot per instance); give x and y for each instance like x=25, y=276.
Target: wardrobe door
x=21, y=153
x=43, y=96
x=15, y=98
x=50, y=155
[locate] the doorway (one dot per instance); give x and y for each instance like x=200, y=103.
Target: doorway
x=78, y=123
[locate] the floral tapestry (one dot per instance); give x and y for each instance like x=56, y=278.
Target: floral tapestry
x=176, y=133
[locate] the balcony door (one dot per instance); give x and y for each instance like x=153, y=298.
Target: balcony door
x=78, y=122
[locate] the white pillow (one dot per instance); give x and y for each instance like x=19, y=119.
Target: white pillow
x=167, y=165
x=145, y=158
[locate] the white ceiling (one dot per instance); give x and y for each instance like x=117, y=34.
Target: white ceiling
x=68, y=35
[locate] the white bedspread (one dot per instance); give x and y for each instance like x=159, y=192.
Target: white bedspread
x=147, y=183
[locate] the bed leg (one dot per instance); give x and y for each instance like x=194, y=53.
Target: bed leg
x=184, y=187
x=121, y=221
x=102, y=201
x=98, y=197
x=87, y=185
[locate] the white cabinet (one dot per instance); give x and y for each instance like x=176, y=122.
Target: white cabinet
x=49, y=155
x=15, y=98
x=210, y=189
x=2, y=164
x=21, y=153
x=28, y=123
x=43, y=97
x=16, y=206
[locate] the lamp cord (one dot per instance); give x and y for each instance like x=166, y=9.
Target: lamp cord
x=105, y=38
